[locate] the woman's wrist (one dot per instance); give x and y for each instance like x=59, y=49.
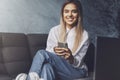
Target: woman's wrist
x=71, y=59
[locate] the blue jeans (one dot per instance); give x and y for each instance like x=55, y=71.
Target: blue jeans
x=49, y=66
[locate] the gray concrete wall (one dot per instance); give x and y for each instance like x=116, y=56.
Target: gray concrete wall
x=29, y=16
x=101, y=17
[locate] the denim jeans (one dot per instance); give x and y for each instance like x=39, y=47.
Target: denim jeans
x=49, y=66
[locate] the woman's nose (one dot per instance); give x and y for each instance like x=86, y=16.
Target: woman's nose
x=70, y=13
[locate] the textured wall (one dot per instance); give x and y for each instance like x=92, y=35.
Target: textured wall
x=29, y=16
x=101, y=17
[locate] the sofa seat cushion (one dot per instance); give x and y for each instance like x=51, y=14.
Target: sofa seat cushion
x=5, y=77
x=89, y=77
x=15, y=54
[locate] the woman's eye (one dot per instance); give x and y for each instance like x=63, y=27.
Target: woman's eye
x=74, y=11
x=66, y=11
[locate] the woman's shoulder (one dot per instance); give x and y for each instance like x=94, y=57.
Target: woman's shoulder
x=55, y=28
x=85, y=34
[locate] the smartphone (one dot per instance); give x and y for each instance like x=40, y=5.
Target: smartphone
x=62, y=45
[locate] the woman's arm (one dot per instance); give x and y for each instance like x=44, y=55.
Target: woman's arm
x=51, y=41
x=78, y=59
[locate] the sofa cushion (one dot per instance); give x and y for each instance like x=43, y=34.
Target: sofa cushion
x=36, y=42
x=15, y=53
x=5, y=77
x=89, y=58
x=2, y=67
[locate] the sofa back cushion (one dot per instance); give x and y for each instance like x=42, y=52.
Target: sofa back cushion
x=90, y=56
x=2, y=66
x=36, y=42
x=14, y=53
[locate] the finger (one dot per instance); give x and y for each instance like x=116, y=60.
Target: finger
x=65, y=49
x=61, y=48
x=60, y=54
x=66, y=56
x=59, y=51
x=54, y=48
x=57, y=48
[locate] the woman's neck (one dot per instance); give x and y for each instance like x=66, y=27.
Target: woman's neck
x=69, y=27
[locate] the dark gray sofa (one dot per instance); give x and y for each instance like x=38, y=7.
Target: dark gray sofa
x=18, y=49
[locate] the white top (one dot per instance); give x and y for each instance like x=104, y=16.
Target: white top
x=79, y=54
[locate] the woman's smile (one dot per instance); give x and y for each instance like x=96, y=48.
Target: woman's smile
x=70, y=14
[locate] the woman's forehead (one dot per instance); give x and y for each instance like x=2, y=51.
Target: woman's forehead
x=70, y=6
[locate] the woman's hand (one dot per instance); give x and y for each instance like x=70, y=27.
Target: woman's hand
x=68, y=55
x=65, y=52
x=59, y=51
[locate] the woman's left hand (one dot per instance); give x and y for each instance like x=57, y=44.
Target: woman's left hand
x=68, y=55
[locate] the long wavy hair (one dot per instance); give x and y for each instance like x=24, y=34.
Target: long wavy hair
x=78, y=28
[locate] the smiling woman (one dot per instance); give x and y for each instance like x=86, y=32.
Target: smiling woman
x=70, y=15
x=59, y=62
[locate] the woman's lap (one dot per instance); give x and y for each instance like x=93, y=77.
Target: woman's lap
x=60, y=65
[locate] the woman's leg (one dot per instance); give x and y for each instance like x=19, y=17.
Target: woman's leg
x=61, y=66
x=47, y=72
x=41, y=66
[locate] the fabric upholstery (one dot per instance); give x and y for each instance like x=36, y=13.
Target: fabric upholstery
x=36, y=42
x=5, y=77
x=90, y=56
x=17, y=51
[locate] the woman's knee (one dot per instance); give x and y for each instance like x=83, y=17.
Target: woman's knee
x=47, y=67
x=40, y=52
x=39, y=55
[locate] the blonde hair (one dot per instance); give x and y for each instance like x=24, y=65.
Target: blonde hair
x=78, y=28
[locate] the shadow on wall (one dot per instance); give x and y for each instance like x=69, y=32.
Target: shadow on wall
x=118, y=21
x=102, y=17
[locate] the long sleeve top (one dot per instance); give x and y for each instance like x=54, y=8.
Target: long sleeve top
x=79, y=54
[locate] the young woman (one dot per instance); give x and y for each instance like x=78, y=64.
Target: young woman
x=64, y=63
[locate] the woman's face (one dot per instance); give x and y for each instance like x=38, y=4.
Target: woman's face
x=70, y=14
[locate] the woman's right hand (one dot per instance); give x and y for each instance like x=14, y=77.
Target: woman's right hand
x=59, y=51
x=65, y=53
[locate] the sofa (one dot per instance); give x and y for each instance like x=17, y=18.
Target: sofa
x=18, y=49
